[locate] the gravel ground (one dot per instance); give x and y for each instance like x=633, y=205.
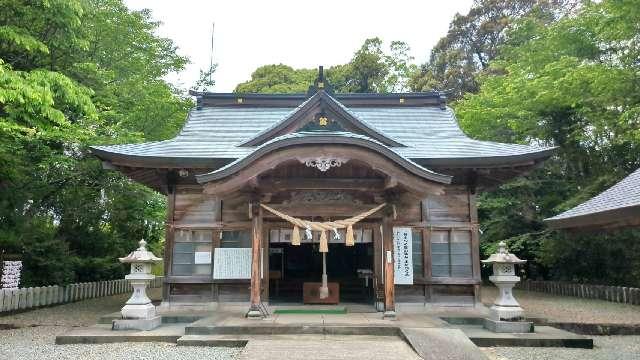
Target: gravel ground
x=35, y=337
x=569, y=309
x=38, y=343
x=605, y=348
x=38, y=329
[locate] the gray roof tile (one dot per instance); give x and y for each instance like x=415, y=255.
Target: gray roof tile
x=624, y=194
x=428, y=133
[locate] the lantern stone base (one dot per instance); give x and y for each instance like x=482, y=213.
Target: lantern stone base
x=138, y=311
x=506, y=313
x=498, y=326
x=137, y=324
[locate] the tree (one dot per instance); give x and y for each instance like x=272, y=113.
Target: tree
x=370, y=70
x=73, y=74
x=473, y=41
x=573, y=84
x=278, y=79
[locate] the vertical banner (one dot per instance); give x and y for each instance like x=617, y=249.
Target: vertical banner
x=403, y=266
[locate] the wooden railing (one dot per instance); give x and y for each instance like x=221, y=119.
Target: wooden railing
x=620, y=294
x=35, y=297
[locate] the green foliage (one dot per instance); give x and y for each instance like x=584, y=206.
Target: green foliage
x=573, y=84
x=280, y=78
x=370, y=70
x=72, y=74
x=474, y=40
x=602, y=258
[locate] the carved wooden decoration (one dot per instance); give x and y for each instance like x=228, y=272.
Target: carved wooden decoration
x=324, y=163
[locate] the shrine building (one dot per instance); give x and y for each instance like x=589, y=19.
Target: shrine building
x=321, y=198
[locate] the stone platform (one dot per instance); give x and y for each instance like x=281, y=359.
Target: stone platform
x=421, y=331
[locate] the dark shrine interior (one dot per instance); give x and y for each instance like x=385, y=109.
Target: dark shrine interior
x=291, y=266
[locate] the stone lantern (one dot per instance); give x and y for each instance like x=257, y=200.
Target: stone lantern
x=139, y=313
x=505, y=315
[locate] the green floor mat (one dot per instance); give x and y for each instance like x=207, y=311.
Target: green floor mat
x=342, y=310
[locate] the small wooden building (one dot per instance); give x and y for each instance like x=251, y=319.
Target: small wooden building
x=615, y=208
x=321, y=156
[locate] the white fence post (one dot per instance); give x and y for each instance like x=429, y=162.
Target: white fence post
x=49, y=292
x=37, y=296
x=54, y=300
x=29, y=298
x=22, y=299
x=15, y=298
x=44, y=293
x=85, y=291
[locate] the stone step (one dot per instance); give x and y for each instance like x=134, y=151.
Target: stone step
x=212, y=340
x=441, y=343
x=291, y=330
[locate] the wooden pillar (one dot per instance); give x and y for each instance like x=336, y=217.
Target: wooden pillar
x=169, y=231
x=389, y=287
x=475, y=246
x=256, y=241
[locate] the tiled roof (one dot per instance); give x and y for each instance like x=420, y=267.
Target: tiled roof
x=623, y=195
x=429, y=133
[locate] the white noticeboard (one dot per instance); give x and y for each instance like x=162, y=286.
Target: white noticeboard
x=233, y=263
x=202, y=257
x=402, y=248
x=11, y=271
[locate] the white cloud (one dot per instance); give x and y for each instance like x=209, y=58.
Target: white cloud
x=297, y=33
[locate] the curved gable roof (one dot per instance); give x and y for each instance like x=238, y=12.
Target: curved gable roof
x=323, y=138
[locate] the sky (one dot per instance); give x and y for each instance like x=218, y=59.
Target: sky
x=302, y=34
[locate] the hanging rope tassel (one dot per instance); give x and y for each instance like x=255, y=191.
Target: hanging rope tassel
x=295, y=236
x=324, y=246
x=349, y=240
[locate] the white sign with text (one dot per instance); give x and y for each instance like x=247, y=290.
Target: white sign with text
x=403, y=264
x=233, y=263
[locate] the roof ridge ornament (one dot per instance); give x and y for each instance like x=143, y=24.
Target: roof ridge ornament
x=320, y=84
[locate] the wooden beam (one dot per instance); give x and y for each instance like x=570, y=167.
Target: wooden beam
x=287, y=184
x=330, y=210
x=256, y=241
